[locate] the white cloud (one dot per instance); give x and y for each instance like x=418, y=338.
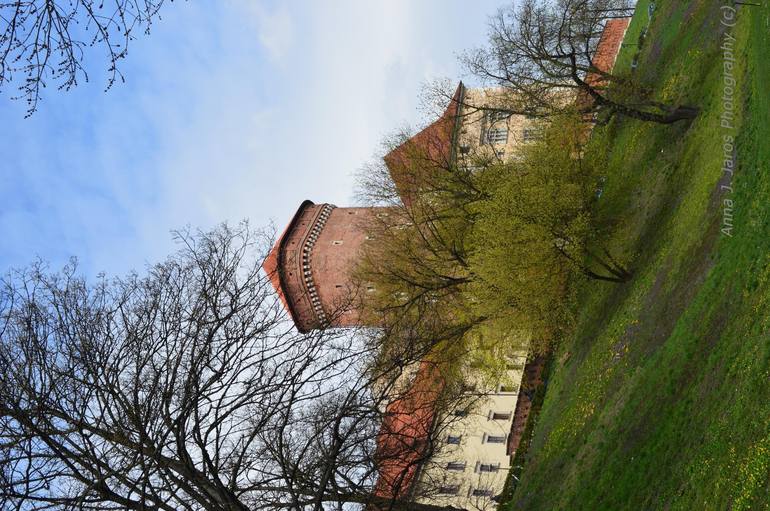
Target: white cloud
x=273, y=25
x=232, y=110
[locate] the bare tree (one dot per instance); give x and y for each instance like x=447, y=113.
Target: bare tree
x=190, y=389
x=546, y=55
x=45, y=42
x=416, y=257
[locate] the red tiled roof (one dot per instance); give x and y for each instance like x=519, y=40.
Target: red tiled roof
x=404, y=433
x=430, y=147
x=608, y=48
x=271, y=264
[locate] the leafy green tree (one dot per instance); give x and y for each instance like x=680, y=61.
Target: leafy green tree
x=536, y=230
x=416, y=264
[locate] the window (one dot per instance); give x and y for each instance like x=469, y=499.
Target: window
x=457, y=466
x=481, y=492
x=518, y=366
x=489, y=467
x=530, y=134
x=501, y=416
x=508, y=388
x=337, y=242
x=449, y=490
x=498, y=115
x=492, y=439
x=454, y=439
x=460, y=413
x=497, y=136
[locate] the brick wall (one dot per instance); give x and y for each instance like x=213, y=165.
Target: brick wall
x=311, y=265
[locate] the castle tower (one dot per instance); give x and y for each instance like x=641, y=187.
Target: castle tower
x=311, y=267
x=311, y=264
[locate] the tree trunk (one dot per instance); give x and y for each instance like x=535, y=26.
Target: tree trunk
x=385, y=504
x=680, y=113
x=618, y=280
x=677, y=114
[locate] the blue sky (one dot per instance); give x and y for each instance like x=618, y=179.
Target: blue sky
x=232, y=109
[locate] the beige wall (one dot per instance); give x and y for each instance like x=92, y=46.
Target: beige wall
x=475, y=429
x=477, y=127
x=475, y=448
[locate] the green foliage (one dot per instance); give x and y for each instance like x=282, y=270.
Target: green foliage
x=660, y=399
x=414, y=265
x=532, y=231
x=473, y=265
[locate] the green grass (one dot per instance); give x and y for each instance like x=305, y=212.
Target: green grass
x=661, y=398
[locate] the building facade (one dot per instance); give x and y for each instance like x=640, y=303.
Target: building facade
x=471, y=468
x=311, y=267
x=311, y=263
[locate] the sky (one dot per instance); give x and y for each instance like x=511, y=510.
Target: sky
x=231, y=110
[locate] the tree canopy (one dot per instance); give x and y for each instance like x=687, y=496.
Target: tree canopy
x=547, y=55
x=189, y=388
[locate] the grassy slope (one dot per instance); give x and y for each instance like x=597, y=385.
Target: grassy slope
x=662, y=398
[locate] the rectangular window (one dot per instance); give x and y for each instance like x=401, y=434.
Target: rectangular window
x=453, y=489
x=498, y=115
x=337, y=242
x=492, y=439
x=481, y=492
x=497, y=136
x=501, y=416
x=531, y=134
x=460, y=413
x=454, y=439
x=489, y=467
x=457, y=466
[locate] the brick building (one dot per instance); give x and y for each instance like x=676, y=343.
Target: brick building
x=311, y=263
x=310, y=267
